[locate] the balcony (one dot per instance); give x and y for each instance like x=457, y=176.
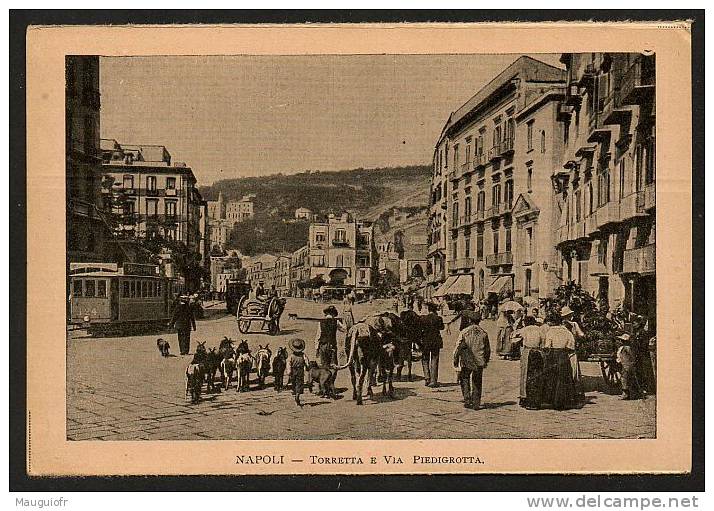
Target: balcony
x=466, y=220
x=435, y=247
x=129, y=191
x=465, y=167
x=494, y=153
x=631, y=206
x=599, y=131
x=480, y=161
x=613, y=112
x=506, y=146
x=453, y=175
x=152, y=193
x=170, y=192
x=640, y=260
x=340, y=243
x=464, y=263
x=500, y=259
x=608, y=213
x=564, y=112
x=591, y=224
x=650, y=199
x=574, y=98
x=478, y=216
x=638, y=83
x=493, y=211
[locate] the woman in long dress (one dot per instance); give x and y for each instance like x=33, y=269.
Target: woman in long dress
x=505, y=329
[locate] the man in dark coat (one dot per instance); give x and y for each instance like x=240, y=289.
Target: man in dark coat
x=183, y=320
x=431, y=345
x=471, y=356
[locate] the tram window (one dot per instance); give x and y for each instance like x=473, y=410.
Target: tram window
x=102, y=288
x=77, y=287
x=89, y=288
x=158, y=289
x=153, y=289
x=125, y=290
x=145, y=289
x=132, y=289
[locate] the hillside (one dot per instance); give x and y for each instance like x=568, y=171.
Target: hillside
x=367, y=193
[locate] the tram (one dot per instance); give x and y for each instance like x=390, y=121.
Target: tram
x=103, y=297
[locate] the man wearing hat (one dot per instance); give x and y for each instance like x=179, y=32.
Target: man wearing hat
x=471, y=356
x=183, y=320
x=627, y=358
x=297, y=363
x=326, y=338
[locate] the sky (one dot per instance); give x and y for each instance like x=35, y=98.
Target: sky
x=237, y=116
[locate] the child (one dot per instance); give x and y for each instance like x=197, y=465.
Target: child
x=296, y=368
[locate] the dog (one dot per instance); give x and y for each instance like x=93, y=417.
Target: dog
x=324, y=377
x=163, y=347
x=279, y=365
x=292, y=315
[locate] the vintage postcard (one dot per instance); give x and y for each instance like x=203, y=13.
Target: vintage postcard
x=359, y=249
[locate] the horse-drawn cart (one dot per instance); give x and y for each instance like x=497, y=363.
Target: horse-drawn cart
x=265, y=312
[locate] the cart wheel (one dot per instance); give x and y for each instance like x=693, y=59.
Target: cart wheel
x=240, y=305
x=243, y=325
x=611, y=373
x=272, y=308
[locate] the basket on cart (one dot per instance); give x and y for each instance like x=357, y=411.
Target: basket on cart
x=264, y=312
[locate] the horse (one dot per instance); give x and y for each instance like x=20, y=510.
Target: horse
x=274, y=325
x=279, y=365
x=244, y=361
x=195, y=373
x=262, y=363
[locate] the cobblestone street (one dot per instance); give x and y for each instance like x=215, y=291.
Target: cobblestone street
x=122, y=389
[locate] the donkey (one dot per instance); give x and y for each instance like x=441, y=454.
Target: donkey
x=213, y=361
x=228, y=361
x=262, y=363
x=195, y=373
x=244, y=361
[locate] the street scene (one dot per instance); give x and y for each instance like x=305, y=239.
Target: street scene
x=107, y=402
x=352, y=247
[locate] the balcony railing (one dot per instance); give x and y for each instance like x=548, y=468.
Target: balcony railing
x=506, y=146
x=495, y=152
x=608, y=213
x=480, y=160
x=466, y=220
x=463, y=263
x=465, y=167
x=340, y=243
x=640, y=260
x=638, y=81
x=500, y=259
x=478, y=215
x=650, y=196
x=493, y=211
x=598, y=129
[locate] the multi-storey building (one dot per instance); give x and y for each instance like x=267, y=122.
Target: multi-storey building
x=89, y=238
x=490, y=219
x=239, y=210
x=261, y=270
x=281, y=278
x=219, y=233
x=605, y=187
x=299, y=270
x=342, y=252
x=158, y=198
x=217, y=208
x=221, y=265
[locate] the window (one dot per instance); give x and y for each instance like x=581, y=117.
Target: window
x=455, y=214
x=529, y=136
x=528, y=283
x=101, y=289
x=529, y=244
x=542, y=141
x=508, y=239
x=508, y=193
x=125, y=289
x=480, y=145
x=128, y=182
x=151, y=183
x=529, y=180
x=496, y=195
x=468, y=152
x=578, y=207
x=467, y=207
x=603, y=186
x=128, y=207
x=132, y=289
x=170, y=183
x=590, y=197
x=467, y=247
x=650, y=162
x=318, y=260
x=622, y=178
x=496, y=136
x=566, y=132
x=152, y=207
x=481, y=201
x=456, y=155
x=454, y=248
x=510, y=129
x=77, y=287
x=479, y=246
x=320, y=237
x=340, y=236
x=170, y=208
x=495, y=241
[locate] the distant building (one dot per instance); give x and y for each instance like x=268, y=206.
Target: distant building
x=240, y=210
x=219, y=233
x=299, y=271
x=217, y=208
x=223, y=268
x=261, y=269
x=303, y=213
x=342, y=252
x=282, y=278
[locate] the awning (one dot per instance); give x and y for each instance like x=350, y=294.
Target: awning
x=501, y=285
x=464, y=285
x=445, y=286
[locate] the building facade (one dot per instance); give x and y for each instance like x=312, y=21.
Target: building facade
x=261, y=270
x=299, y=271
x=490, y=219
x=342, y=252
x=89, y=238
x=158, y=197
x=303, y=214
x=605, y=186
x=282, y=278
x=239, y=210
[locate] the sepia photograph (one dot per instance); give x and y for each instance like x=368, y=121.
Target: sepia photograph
x=361, y=247
x=371, y=249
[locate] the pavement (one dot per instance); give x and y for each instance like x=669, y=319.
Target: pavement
x=120, y=388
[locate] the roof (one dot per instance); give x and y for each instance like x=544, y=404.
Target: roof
x=525, y=68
